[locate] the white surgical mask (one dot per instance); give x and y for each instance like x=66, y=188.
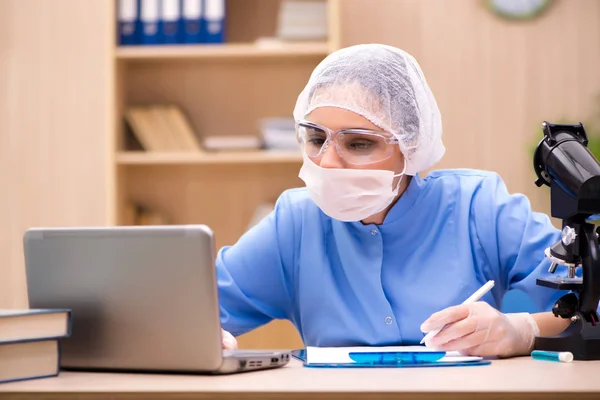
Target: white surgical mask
x=349, y=194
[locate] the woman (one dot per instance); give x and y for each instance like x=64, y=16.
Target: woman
x=371, y=253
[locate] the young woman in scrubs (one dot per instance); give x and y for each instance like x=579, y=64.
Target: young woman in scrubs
x=370, y=252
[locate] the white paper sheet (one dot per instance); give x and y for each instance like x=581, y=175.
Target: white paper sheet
x=340, y=355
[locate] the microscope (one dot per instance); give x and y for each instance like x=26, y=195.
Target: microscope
x=563, y=162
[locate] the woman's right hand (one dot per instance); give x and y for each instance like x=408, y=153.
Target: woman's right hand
x=229, y=342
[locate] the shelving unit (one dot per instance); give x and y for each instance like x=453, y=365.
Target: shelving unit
x=223, y=89
x=225, y=51
x=232, y=157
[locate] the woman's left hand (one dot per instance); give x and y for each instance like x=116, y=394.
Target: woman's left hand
x=480, y=330
x=229, y=342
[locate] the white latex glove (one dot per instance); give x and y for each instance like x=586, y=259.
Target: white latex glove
x=229, y=342
x=478, y=329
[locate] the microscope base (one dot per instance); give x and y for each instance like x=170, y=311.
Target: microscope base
x=581, y=339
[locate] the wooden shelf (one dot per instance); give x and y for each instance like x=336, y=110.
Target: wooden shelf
x=234, y=50
x=230, y=157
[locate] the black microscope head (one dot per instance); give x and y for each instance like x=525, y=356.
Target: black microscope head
x=563, y=162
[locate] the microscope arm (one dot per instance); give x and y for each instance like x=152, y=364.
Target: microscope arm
x=590, y=262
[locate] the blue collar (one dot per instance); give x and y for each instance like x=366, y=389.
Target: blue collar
x=402, y=206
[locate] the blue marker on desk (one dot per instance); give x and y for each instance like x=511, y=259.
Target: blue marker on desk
x=556, y=356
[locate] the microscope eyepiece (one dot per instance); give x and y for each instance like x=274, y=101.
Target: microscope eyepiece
x=563, y=162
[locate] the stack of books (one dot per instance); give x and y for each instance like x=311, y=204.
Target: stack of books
x=302, y=20
x=279, y=134
x=30, y=343
x=161, y=128
x=166, y=128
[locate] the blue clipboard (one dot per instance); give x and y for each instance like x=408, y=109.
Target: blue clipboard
x=387, y=358
x=392, y=360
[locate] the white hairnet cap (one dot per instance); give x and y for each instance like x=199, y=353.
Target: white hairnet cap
x=385, y=85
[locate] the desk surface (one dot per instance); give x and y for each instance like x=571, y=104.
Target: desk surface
x=512, y=378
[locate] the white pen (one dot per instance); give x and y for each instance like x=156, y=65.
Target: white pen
x=472, y=299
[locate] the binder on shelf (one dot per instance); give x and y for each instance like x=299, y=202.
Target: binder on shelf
x=162, y=128
x=142, y=129
x=149, y=22
x=192, y=22
x=127, y=15
x=182, y=128
x=156, y=22
x=214, y=21
x=170, y=21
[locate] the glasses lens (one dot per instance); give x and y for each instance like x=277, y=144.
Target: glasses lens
x=312, y=139
x=364, y=148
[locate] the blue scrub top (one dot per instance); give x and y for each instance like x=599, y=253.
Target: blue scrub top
x=345, y=283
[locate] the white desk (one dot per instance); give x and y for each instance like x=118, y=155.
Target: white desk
x=517, y=378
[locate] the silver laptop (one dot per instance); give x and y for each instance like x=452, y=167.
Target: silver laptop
x=142, y=298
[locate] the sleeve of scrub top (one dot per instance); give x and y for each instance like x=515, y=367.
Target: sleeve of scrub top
x=253, y=275
x=514, y=238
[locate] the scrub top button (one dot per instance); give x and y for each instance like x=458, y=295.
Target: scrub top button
x=388, y=320
x=374, y=232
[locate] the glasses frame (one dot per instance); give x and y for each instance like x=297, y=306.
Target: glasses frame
x=386, y=136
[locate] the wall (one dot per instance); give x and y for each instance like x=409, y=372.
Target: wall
x=54, y=124
x=495, y=81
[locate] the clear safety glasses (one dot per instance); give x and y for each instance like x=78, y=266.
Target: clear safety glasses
x=355, y=146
